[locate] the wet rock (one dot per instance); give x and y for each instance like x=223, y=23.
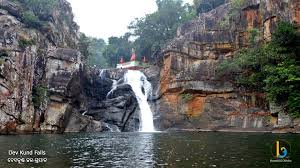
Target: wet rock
x=79, y=123
x=284, y=120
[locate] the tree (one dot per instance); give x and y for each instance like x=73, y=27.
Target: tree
x=96, y=57
x=84, y=43
x=117, y=47
x=154, y=30
x=92, y=50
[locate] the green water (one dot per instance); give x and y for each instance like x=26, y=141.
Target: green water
x=177, y=149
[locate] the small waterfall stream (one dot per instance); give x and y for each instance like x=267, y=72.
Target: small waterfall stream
x=142, y=89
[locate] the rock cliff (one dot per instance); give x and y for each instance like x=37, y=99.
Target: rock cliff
x=193, y=95
x=45, y=86
x=37, y=65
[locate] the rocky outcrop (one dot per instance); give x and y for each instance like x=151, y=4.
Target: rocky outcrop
x=37, y=67
x=117, y=109
x=193, y=95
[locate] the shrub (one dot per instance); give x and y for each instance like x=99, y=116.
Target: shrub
x=39, y=94
x=253, y=36
x=23, y=43
x=186, y=97
x=236, y=5
x=37, y=12
x=273, y=68
x=31, y=19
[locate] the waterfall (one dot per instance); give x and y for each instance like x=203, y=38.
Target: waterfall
x=255, y=123
x=260, y=123
x=245, y=122
x=102, y=74
x=142, y=89
x=113, y=88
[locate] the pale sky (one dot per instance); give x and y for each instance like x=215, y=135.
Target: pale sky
x=105, y=18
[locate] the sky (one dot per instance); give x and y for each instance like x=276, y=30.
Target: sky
x=106, y=18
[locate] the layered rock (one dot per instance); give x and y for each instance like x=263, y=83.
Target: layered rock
x=37, y=67
x=193, y=94
x=114, y=107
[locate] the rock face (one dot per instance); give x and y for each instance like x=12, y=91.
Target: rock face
x=117, y=109
x=193, y=95
x=37, y=67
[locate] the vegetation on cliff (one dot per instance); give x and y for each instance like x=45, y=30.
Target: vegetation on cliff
x=203, y=6
x=273, y=68
x=37, y=12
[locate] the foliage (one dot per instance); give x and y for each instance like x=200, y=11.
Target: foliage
x=30, y=19
x=83, y=45
x=273, y=67
x=96, y=57
x=294, y=103
x=203, y=6
x=186, y=97
x=37, y=12
x=254, y=34
x=154, y=30
x=41, y=8
x=236, y=6
x=23, y=43
x=92, y=49
x=39, y=94
x=117, y=47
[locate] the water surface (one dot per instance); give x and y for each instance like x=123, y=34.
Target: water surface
x=177, y=149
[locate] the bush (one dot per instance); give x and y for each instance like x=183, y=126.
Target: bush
x=23, y=43
x=40, y=8
x=31, y=19
x=37, y=12
x=253, y=36
x=273, y=68
x=186, y=97
x=39, y=95
x=236, y=5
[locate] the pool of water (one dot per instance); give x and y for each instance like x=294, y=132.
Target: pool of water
x=163, y=149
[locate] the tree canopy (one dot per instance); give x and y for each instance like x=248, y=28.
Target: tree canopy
x=154, y=30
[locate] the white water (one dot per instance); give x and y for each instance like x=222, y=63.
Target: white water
x=245, y=122
x=138, y=82
x=113, y=88
x=102, y=73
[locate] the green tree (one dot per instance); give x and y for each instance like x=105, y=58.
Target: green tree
x=92, y=49
x=84, y=43
x=96, y=56
x=154, y=30
x=117, y=47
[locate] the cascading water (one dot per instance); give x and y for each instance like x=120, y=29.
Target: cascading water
x=113, y=88
x=102, y=73
x=142, y=89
